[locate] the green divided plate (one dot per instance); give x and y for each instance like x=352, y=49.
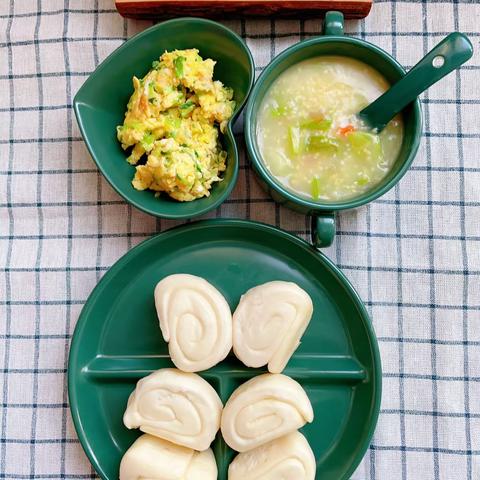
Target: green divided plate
x=117, y=340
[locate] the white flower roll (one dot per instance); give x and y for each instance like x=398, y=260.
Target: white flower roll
x=152, y=458
x=269, y=323
x=195, y=320
x=180, y=407
x=288, y=458
x=263, y=409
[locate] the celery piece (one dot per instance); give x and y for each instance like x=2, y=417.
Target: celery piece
x=363, y=180
x=305, y=138
x=317, y=125
x=155, y=64
x=178, y=64
x=278, y=108
x=318, y=143
x=365, y=142
x=315, y=188
x=275, y=112
x=360, y=139
x=294, y=135
x=278, y=112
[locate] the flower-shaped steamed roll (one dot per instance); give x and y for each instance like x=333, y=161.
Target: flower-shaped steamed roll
x=156, y=459
x=268, y=324
x=195, y=320
x=176, y=406
x=263, y=409
x=289, y=458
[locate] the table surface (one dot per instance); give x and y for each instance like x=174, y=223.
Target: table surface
x=413, y=255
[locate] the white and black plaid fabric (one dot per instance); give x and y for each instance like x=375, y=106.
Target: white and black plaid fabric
x=413, y=255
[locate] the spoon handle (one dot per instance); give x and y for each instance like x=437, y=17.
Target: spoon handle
x=453, y=51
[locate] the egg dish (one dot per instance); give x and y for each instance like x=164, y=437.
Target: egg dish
x=173, y=123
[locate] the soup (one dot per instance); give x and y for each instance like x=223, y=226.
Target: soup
x=310, y=137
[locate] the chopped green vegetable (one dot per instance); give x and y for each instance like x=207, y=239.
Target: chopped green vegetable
x=363, y=180
x=197, y=166
x=147, y=141
x=277, y=112
x=172, y=124
x=182, y=180
x=318, y=143
x=155, y=64
x=187, y=105
x=361, y=139
x=305, y=138
x=365, y=143
x=294, y=134
x=134, y=124
x=180, y=98
x=315, y=188
x=278, y=108
x=320, y=125
x=187, y=108
x=178, y=64
x=151, y=90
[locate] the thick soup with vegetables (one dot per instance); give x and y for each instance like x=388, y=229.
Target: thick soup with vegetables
x=310, y=137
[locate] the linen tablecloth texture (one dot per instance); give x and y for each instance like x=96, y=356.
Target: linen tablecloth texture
x=413, y=255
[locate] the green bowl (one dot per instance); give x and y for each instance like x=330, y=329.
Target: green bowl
x=101, y=102
x=332, y=43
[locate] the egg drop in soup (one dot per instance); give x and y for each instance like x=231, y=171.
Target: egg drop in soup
x=310, y=137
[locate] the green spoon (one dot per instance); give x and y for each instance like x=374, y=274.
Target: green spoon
x=452, y=52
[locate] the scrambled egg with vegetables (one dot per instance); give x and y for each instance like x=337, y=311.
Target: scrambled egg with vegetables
x=173, y=121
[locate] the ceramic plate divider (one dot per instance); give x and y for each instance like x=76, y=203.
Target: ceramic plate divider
x=309, y=370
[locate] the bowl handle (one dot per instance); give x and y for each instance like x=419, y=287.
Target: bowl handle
x=333, y=23
x=323, y=229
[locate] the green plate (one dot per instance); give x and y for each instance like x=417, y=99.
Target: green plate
x=117, y=340
x=101, y=101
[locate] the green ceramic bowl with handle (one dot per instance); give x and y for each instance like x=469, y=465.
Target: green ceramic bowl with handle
x=101, y=102
x=333, y=42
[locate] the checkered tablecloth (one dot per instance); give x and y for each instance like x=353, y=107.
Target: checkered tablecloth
x=413, y=255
